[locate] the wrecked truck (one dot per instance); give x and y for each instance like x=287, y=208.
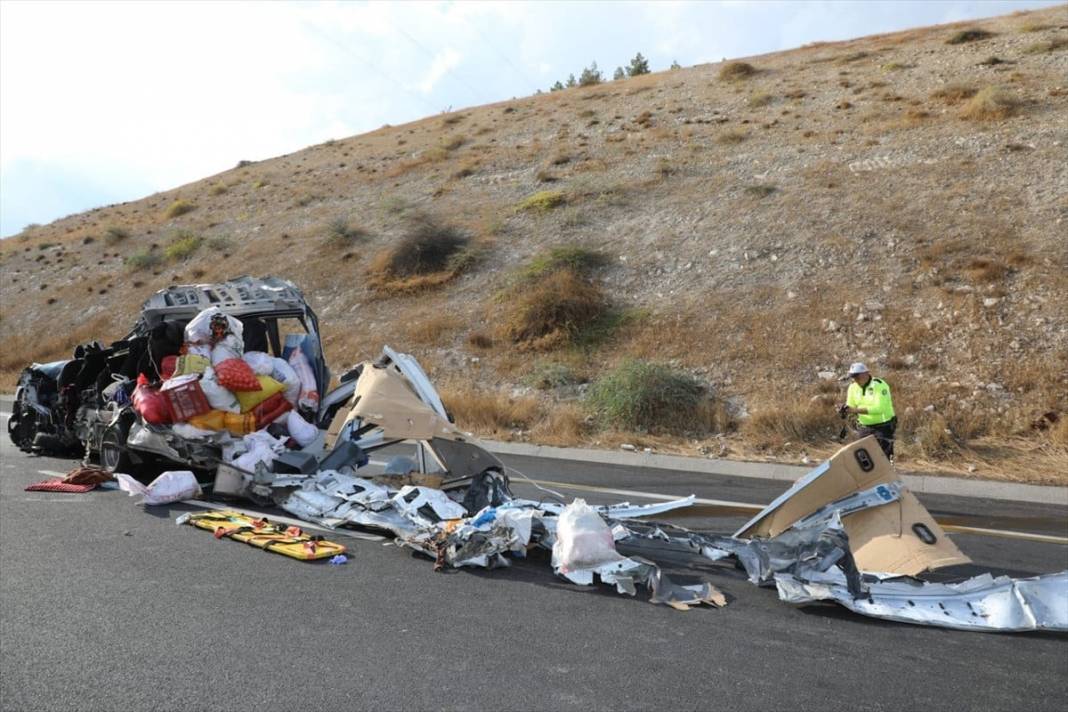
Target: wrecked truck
x=90, y=402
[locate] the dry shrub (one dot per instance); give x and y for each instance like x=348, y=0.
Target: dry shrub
x=986, y=269
x=931, y=437
x=563, y=424
x=774, y=425
x=430, y=330
x=732, y=136
x=489, y=412
x=20, y=350
x=479, y=340
x=1058, y=434
x=735, y=71
x=429, y=254
x=1053, y=45
x=972, y=34
x=553, y=310
x=178, y=207
x=990, y=104
x=955, y=93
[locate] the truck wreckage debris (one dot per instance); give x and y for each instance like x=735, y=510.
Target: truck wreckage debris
x=848, y=532
x=235, y=400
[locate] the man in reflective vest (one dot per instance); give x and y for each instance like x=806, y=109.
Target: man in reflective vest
x=869, y=399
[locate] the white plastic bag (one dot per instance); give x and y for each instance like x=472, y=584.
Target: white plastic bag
x=198, y=331
x=218, y=397
x=230, y=347
x=261, y=364
x=171, y=486
x=255, y=448
x=583, y=540
x=284, y=373
x=277, y=368
x=309, y=394
x=300, y=430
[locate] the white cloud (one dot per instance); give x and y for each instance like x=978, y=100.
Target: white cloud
x=442, y=64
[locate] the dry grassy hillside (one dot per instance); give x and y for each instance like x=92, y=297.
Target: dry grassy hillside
x=731, y=234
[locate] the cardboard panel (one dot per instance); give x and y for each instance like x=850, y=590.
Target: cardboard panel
x=837, y=477
x=883, y=539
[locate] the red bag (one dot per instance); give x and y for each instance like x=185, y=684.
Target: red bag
x=269, y=410
x=152, y=405
x=185, y=397
x=167, y=366
x=233, y=374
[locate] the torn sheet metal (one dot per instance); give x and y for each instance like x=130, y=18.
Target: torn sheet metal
x=983, y=603
x=896, y=536
x=584, y=546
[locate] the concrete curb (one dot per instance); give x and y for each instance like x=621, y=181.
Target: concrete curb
x=918, y=483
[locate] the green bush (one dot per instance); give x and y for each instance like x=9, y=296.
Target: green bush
x=143, y=259
x=115, y=234
x=543, y=201
x=340, y=232
x=179, y=207
x=220, y=243
x=579, y=259
x=550, y=375
x=182, y=246
x=639, y=395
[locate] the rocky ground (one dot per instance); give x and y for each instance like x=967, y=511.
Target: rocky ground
x=899, y=199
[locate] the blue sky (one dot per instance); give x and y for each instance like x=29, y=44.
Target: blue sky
x=102, y=102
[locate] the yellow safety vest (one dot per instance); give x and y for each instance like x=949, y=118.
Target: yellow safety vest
x=875, y=397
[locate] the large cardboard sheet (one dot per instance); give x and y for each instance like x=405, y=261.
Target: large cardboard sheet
x=887, y=539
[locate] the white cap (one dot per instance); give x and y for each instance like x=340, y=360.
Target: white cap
x=857, y=368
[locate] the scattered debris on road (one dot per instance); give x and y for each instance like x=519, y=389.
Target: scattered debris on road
x=211, y=378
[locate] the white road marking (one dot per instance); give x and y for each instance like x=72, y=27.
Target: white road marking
x=979, y=531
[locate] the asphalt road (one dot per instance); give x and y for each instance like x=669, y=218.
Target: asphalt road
x=107, y=605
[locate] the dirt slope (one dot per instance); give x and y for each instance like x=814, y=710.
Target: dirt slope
x=899, y=199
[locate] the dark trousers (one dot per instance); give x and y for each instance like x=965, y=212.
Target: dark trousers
x=884, y=433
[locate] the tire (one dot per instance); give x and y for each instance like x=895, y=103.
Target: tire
x=113, y=454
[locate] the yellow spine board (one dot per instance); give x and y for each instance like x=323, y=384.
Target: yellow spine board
x=262, y=534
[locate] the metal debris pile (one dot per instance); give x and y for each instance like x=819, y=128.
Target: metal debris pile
x=848, y=532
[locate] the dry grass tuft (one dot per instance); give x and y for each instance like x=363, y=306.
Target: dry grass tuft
x=973, y=34
x=430, y=330
x=955, y=93
x=1053, y=45
x=777, y=425
x=991, y=104
x=179, y=207
x=735, y=71
x=489, y=412
x=731, y=137
x=552, y=311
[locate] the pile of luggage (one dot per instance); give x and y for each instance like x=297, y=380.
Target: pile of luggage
x=214, y=385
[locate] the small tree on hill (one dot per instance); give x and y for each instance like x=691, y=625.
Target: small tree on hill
x=675, y=64
x=571, y=81
x=590, y=75
x=557, y=87
x=619, y=74
x=638, y=65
